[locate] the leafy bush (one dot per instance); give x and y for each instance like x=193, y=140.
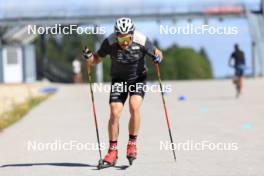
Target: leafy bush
x=179, y=63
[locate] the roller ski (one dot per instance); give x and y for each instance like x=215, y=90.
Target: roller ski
x=109, y=160
x=131, y=152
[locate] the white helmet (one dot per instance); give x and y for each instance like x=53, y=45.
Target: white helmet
x=124, y=26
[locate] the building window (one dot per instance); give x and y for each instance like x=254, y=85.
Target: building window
x=12, y=56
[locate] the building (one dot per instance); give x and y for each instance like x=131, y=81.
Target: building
x=17, y=64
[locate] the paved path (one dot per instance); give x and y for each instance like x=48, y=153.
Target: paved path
x=210, y=114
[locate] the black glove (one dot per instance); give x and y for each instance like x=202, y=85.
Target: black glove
x=87, y=53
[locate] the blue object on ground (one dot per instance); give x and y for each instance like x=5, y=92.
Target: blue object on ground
x=48, y=90
x=246, y=126
x=204, y=109
x=182, y=98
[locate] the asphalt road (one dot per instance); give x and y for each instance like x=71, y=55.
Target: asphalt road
x=207, y=115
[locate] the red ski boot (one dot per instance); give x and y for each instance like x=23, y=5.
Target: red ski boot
x=111, y=157
x=131, y=152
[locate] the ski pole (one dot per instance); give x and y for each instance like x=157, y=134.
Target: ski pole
x=165, y=109
x=94, y=112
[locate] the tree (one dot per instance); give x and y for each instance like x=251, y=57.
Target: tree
x=178, y=64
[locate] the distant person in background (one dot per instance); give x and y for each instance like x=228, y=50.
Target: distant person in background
x=238, y=62
x=77, y=70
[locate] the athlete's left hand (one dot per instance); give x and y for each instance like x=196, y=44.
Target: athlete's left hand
x=158, y=56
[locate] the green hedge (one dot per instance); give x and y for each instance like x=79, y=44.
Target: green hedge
x=179, y=63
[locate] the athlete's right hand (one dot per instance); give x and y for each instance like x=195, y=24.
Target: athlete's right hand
x=87, y=53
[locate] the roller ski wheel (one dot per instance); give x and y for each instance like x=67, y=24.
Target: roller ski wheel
x=131, y=153
x=130, y=159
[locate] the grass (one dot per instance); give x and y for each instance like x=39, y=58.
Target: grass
x=19, y=110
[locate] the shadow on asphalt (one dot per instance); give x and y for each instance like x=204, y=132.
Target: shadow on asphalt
x=122, y=167
x=49, y=164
